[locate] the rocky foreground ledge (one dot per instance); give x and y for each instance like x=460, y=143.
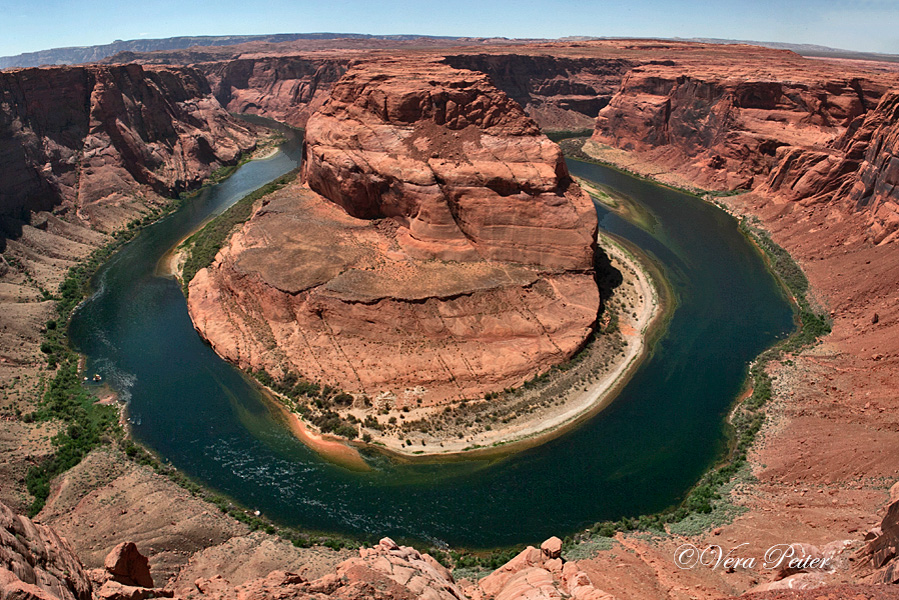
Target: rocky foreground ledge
x=37, y=564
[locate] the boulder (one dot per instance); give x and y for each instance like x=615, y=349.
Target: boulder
x=552, y=547
x=127, y=566
x=537, y=574
x=387, y=571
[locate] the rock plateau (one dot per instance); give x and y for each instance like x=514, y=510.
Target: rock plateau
x=440, y=250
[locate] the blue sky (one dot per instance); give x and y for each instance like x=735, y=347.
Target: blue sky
x=867, y=25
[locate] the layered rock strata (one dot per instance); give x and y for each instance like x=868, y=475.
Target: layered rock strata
x=35, y=562
x=558, y=92
x=786, y=130
x=442, y=251
x=860, y=171
x=825, y=194
x=102, y=142
x=452, y=160
x=720, y=126
x=83, y=152
x=815, y=479
x=288, y=88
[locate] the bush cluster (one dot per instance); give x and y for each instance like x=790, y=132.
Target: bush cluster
x=314, y=402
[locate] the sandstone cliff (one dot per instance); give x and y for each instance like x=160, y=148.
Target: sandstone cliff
x=101, y=142
x=558, y=92
x=84, y=151
x=36, y=563
x=791, y=130
x=454, y=161
x=860, y=171
x=447, y=253
x=720, y=126
x=815, y=479
x=288, y=89
x=822, y=187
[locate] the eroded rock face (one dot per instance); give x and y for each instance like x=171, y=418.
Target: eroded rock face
x=784, y=130
x=447, y=253
x=102, y=142
x=557, y=92
x=860, y=171
x=389, y=571
x=454, y=161
x=881, y=551
x=303, y=287
x=721, y=125
x=286, y=88
x=36, y=563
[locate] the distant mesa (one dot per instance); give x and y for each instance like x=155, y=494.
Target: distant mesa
x=75, y=55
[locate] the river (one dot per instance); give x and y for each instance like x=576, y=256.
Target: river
x=640, y=455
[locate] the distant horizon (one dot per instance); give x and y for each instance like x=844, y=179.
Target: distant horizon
x=869, y=26
x=701, y=39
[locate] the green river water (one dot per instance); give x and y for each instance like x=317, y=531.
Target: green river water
x=640, y=455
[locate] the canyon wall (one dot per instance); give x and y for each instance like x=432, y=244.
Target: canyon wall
x=722, y=129
x=440, y=251
x=288, y=89
x=859, y=171
x=824, y=185
x=791, y=130
x=35, y=562
x=99, y=143
x=83, y=152
x=558, y=92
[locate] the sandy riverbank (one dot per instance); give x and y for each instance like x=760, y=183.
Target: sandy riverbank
x=333, y=449
x=637, y=292
x=170, y=263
